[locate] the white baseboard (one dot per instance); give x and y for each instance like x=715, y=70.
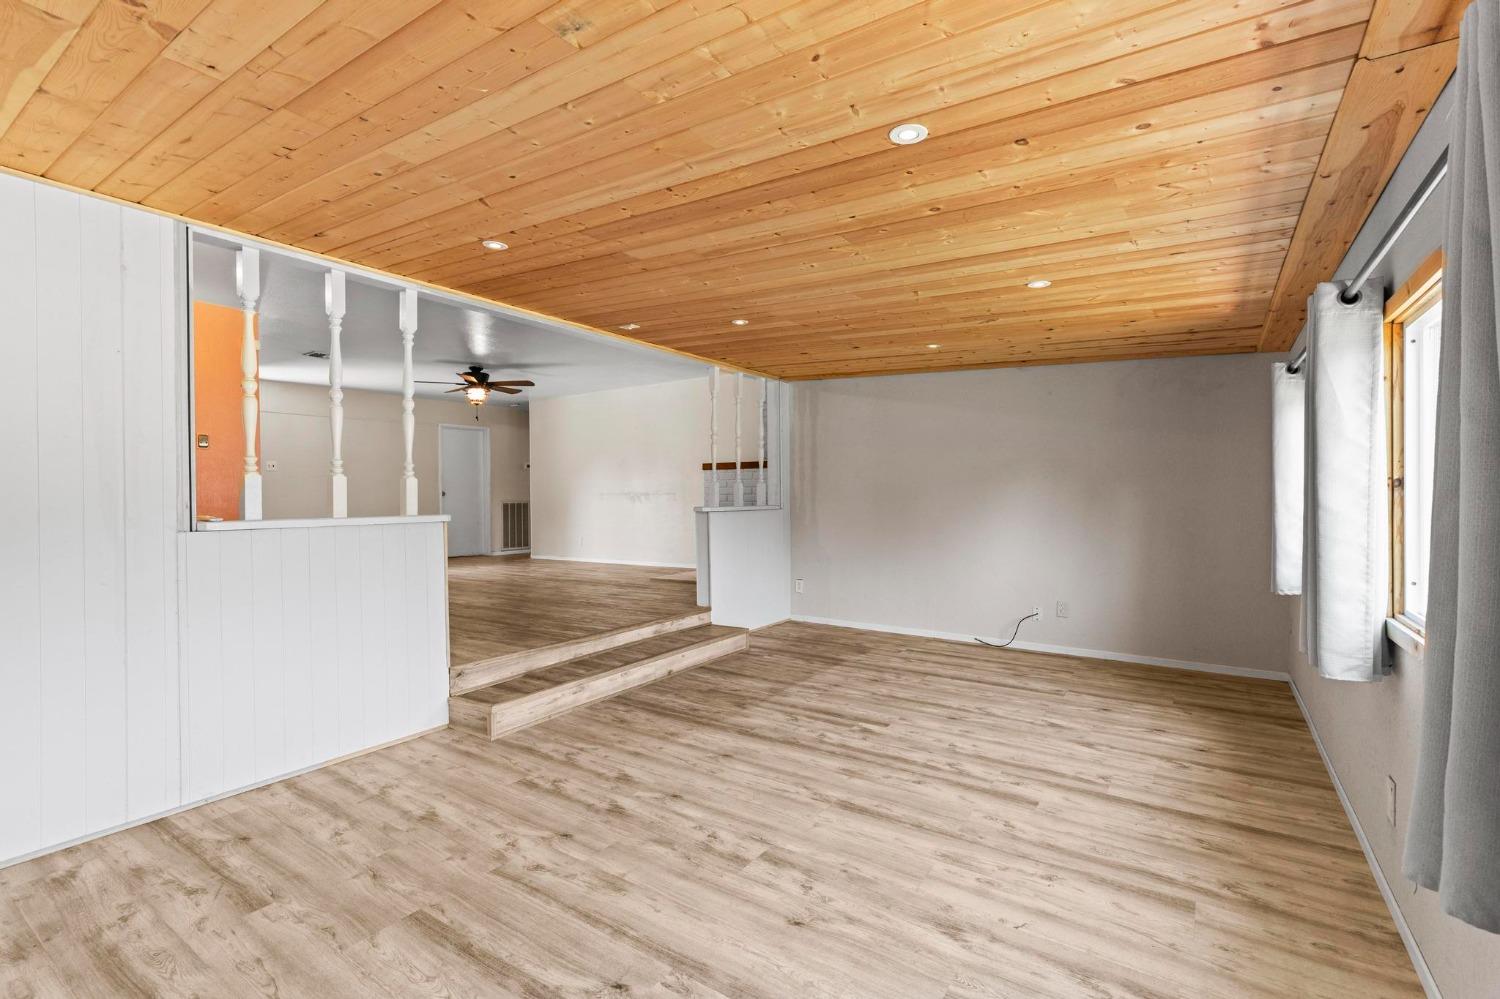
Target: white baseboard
x=1424, y=974
x=615, y=561
x=1123, y=657
x=178, y=809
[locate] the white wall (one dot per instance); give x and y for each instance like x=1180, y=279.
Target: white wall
x=1135, y=491
x=745, y=555
x=615, y=475
x=301, y=645
x=1371, y=731
x=143, y=669
x=295, y=435
x=88, y=582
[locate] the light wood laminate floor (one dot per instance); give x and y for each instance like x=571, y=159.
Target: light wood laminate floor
x=832, y=813
x=505, y=603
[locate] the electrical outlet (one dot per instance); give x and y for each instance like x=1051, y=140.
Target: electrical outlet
x=1036, y=611
x=1390, y=800
x=1062, y=609
x=799, y=586
x=271, y=464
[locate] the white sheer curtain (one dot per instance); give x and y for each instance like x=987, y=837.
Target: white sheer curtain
x=1288, y=402
x=1346, y=547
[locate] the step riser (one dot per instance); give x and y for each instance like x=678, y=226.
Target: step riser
x=494, y=721
x=472, y=676
x=528, y=711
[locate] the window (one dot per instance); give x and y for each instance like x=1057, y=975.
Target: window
x=1414, y=319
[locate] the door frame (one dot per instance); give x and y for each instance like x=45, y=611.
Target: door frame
x=484, y=481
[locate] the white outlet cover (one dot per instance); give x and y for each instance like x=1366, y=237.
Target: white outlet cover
x=799, y=586
x=1062, y=608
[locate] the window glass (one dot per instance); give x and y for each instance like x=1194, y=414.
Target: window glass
x=1421, y=339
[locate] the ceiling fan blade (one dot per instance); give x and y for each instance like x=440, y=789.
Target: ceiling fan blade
x=423, y=381
x=461, y=388
x=522, y=382
x=469, y=377
x=502, y=388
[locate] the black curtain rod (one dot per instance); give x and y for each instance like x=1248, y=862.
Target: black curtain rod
x=1414, y=204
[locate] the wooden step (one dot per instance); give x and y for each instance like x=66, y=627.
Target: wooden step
x=498, y=669
x=502, y=708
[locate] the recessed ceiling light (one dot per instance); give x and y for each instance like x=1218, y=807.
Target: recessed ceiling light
x=908, y=134
x=495, y=244
x=740, y=322
x=1039, y=283
x=933, y=346
x=631, y=326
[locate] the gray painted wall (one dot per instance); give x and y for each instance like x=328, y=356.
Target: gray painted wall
x=1137, y=492
x=1370, y=730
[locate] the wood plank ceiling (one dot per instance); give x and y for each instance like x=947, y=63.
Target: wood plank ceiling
x=672, y=165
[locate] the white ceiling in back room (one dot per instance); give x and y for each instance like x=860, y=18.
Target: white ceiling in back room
x=451, y=335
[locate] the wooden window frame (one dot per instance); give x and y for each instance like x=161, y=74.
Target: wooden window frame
x=1420, y=291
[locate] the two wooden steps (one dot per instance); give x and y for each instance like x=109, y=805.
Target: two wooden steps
x=498, y=696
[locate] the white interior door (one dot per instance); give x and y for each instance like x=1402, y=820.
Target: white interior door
x=464, y=468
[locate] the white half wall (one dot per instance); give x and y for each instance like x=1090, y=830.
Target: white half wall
x=615, y=475
x=144, y=669
x=745, y=556
x=1134, y=492
x=301, y=645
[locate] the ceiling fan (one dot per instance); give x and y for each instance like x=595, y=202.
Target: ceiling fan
x=476, y=386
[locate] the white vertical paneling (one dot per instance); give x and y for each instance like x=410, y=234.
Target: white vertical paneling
x=103, y=407
x=349, y=699
x=349, y=631
x=323, y=645
x=174, y=512
x=141, y=668
x=296, y=643
x=148, y=434
x=393, y=641
x=203, y=671
x=374, y=668
x=417, y=639
x=268, y=665
x=434, y=672
x=236, y=628
x=20, y=544
x=64, y=597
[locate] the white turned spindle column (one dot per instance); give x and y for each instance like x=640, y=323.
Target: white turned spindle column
x=408, y=402
x=739, y=472
x=247, y=285
x=713, y=436
x=333, y=304
x=760, y=479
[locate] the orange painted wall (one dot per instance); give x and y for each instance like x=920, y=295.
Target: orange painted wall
x=216, y=409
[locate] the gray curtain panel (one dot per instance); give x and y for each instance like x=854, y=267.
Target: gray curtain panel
x=1288, y=402
x=1453, y=839
x=1345, y=509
